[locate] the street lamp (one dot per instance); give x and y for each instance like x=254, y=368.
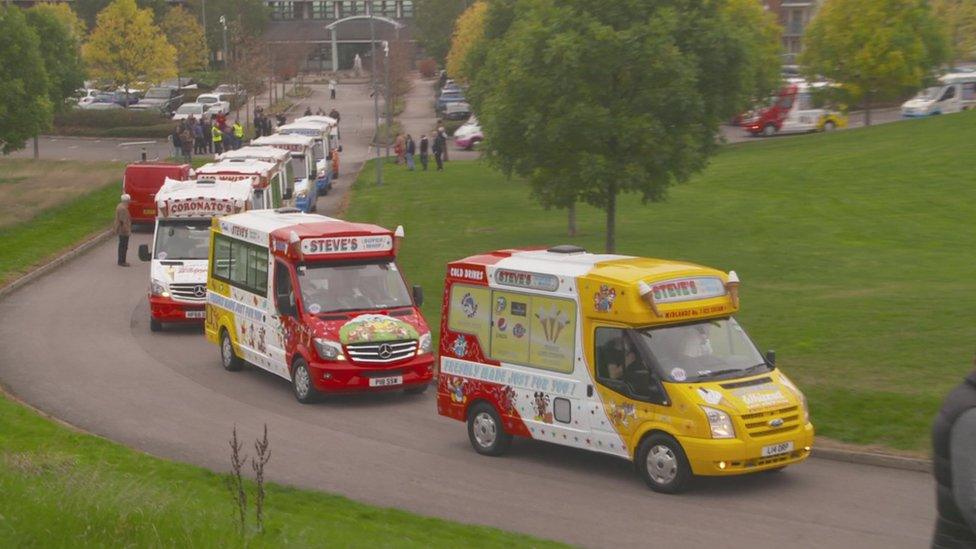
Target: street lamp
x=223, y=23
x=386, y=96
x=376, y=97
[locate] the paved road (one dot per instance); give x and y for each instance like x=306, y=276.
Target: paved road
x=77, y=345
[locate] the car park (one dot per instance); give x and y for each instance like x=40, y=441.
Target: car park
x=163, y=100
x=213, y=103
x=445, y=98
x=84, y=96
x=634, y=357
x=955, y=92
x=318, y=301
x=468, y=135
x=228, y=92
x=458, y=110
x=186, y=110
x=182, y=83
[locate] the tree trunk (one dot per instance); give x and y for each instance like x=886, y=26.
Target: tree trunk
x=611, y=218
x=572, y=218
x=867, y=110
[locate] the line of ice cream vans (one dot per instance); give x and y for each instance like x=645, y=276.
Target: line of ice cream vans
x=633, y=357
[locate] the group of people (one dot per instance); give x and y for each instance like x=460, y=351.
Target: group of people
x=436, y=143
x=262, y=122
x=205, y=136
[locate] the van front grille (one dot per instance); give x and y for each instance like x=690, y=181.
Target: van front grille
x=194, y=293
x=382, y=352
x=772, y=422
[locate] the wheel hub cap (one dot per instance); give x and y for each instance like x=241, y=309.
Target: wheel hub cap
x=662, y=465
x=485, y=430
x=301, y=382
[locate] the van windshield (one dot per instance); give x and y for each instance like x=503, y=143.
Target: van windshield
x=712, y=349
x=929, y=94
x=335, y=287
x=182, y=239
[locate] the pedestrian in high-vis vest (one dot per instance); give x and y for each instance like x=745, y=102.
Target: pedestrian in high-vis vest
x=238, y=135
x=218, y=138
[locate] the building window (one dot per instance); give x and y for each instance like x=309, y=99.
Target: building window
x=324, y=9
x=349, y=8
x=406, y=9
x=282, y=10
x=386, y=8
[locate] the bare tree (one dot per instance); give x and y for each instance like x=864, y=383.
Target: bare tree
x=262, y=449
x=235, y=482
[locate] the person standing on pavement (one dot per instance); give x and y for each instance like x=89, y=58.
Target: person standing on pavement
x=123, y=228
x=217, y=137
x=410, y=150
x=198, y=146
x=186, y=144
x=174, y=139
x=238, y=134
x=399, y=148
x=332, y=89
x=424, y=146
x=335, y=163
x=207, y=130
x=442, y=132
x=440, y=143
x=954, y=465
x=335, y=114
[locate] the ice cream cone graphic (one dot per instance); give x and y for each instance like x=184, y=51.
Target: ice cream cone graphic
x=732, y=286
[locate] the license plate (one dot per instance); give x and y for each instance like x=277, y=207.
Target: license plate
x=777, y=449
x=385, y=381
x=149, y=212
x=196, y=314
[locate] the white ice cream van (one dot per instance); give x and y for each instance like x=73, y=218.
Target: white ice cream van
x=955, y=92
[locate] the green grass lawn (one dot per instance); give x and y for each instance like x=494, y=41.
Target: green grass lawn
x=856, y=252
x=61, y=488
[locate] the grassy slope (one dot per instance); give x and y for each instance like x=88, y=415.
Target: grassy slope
x=855, y=250
x=59, y=488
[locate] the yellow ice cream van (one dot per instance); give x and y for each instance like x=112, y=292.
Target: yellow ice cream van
x=635, y=357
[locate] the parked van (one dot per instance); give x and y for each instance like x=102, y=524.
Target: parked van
x=793, y=111
x=639, y=358
x=956, y=92
x=302, y=149
x=142, y=181
x=279, y=157
x=318, y=301
x=178, y=272
x=320, y=131
x=265, y=179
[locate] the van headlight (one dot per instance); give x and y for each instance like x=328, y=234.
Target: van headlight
x=719, y=422
x=158, y=288
x=328, y=350
x=799, y=394
x=425, y=344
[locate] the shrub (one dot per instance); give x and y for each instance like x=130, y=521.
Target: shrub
x=427, y=67
x=107, y=119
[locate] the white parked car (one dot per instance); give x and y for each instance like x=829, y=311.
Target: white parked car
x=86, y=95
x=186, y=110
x=213, y=103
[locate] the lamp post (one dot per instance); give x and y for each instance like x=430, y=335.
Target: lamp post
x=223, y=23
x=376, y=97
x=203, y=10
x=387, y=95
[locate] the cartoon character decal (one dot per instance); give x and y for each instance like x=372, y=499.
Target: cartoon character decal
x=456, y=387
x=603, y=299
x=469, y=305
x=460, y=346
x=371, y=327
x=621, y=414
x=541, y=405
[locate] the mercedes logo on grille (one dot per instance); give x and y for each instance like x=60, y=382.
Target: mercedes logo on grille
x=200, y=291
x=385, y=351
x=776, y=422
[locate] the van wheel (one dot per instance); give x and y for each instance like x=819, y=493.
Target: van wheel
x=769, y=130
x=230, y=361
x=485, y=431
x=662, y=463
x=829, y=126
x=155, y=325
x=301, y=381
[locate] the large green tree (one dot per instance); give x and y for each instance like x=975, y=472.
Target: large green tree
x=244, y=17
x=60, y=50
x=875, y=49
x=589, y=100
x=127, y=46
x=25, y=109
x=435, y=24
x=185, y=33
x=958, y=19
x=88, y=10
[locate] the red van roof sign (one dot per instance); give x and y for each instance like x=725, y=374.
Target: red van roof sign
x=335, y=245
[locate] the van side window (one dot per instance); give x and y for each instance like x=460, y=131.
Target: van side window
x=949, y=93
x=220, y=267
x=619, y=365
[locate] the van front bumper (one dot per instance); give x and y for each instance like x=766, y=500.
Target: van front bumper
x=724, y=457
x=165, y=309
x=349, y=377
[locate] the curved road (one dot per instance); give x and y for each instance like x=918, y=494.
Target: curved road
x=77, y=345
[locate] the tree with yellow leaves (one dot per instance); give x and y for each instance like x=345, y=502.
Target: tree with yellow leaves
x=958, y=18
x=127, y=46
x=468, y=30
x=186, y=35
x=67, y=16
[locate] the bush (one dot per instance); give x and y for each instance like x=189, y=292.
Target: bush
x=427, y=68
x=112, y=123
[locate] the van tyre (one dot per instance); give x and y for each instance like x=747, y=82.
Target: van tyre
x=769, y=130
x=301, y=382
x=485, y=430
x=155, y=325
x=228, y=358
x=829, y=126
x=662, y=463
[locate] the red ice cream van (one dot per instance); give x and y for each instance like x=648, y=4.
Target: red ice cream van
x=143, y=180
x=318, y=301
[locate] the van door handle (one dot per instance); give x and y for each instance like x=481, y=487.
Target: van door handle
x=589, y=390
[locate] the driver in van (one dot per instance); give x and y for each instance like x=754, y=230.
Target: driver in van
x=697, y=344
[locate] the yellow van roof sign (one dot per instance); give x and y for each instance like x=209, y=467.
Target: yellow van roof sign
x=687, y=289
x=525, y=279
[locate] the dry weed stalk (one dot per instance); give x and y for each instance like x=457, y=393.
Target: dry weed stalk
x=262, y=449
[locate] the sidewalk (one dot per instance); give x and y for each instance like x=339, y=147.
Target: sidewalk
x=418, y=117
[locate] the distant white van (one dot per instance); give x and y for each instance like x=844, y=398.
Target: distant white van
x=956, y=92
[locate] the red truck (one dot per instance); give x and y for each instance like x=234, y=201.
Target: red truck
x=142, y=181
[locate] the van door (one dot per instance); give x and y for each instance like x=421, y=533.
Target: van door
x=282, y=291
x=803, y=116
x=949, y=101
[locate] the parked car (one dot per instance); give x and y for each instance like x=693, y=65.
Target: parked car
x=179, y=83
x=109, y=100
x=228, y=91
x=445, y=98
x=161, y=99
x=214, y=104
x=468, y=135
x=457, y=111
x=83, y=96
x=186, y=110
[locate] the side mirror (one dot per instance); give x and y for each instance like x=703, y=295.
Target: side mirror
x=418, y=296
x=144, y=252
x=771, y=357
